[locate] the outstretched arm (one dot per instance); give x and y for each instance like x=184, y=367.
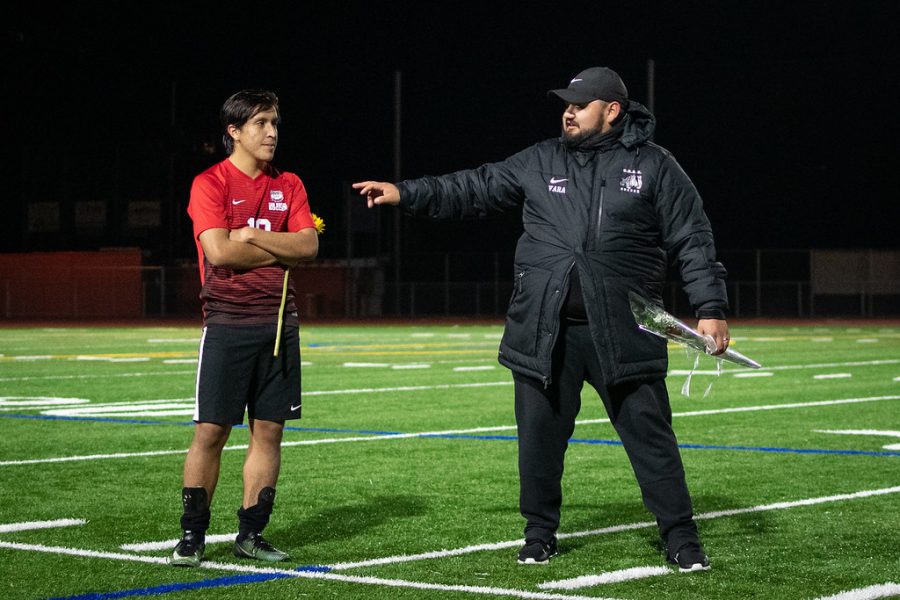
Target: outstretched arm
x=378, y=192
x=466, y=194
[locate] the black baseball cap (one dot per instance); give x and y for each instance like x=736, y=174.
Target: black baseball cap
x=596, y=83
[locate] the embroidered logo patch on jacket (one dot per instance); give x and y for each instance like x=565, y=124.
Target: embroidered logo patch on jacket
x=557, y=185
x=631, y=181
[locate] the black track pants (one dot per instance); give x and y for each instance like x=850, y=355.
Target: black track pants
x=642, y=417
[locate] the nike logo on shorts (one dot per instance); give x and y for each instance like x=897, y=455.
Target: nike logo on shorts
x=293, y=408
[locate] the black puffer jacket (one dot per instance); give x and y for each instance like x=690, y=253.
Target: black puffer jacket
x=617, y=213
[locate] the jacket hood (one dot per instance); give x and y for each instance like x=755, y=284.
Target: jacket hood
x=634, y=129
x=639, y=125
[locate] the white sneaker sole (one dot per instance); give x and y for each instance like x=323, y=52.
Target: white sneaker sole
x=531, y=561
x=184, y=561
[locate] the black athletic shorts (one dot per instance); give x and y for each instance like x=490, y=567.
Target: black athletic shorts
x=237, y=371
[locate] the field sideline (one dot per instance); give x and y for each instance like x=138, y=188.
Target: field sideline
x=400, y=480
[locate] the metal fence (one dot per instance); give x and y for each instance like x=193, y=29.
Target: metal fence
x=760, y=284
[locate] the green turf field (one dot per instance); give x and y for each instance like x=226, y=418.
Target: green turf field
x=400, y=480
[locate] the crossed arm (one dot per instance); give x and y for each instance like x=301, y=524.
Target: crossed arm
x=248, y=247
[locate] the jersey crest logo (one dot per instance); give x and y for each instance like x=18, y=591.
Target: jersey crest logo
x=276, y=202
x=631, y=181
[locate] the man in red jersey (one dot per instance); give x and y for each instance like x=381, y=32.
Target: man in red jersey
x=251, y=223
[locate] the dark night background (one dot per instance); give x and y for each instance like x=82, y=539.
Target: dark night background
x=783, y=114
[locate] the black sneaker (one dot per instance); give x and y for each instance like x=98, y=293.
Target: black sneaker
x=189, y=550
x=690, y=557
x=255, y=546
x=537, y=552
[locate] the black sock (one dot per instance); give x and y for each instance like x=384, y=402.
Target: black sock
x=195, y=518
x=256, y=517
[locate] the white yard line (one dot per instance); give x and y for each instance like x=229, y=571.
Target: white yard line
x=474, y=430
x=159, y=560
x=124, y=409
x=873, y=432
x=605, y=578
x=84, y=457
x=612, y=529
x=885, y=590
x=32, y=525
x=217, y=538
x=32, y=402
x=737, y=409
x=236, y=568
x=97, y=376
x=856, y=363
x=51, y=403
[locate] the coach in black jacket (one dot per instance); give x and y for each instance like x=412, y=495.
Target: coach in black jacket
x=604, y=211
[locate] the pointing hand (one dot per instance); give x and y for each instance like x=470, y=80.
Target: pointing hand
x=378, y=192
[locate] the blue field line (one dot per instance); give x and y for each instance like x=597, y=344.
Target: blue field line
x=168, y=588
x=682, y=446
x=753, y=448
x=789, y=450
x=506, y=438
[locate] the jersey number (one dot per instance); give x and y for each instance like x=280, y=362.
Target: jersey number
x=260, y=223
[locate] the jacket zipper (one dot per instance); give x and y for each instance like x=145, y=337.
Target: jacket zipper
x=599, y=213
x=519, y=277
x=547, y=379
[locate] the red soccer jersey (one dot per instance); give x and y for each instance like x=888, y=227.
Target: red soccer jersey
x=225, y=197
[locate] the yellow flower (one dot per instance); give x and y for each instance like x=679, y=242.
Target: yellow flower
x=319, y=223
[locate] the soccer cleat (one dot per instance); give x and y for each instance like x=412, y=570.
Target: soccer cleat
x=689, y=558
x=537, y=552
x=255, y=546
x=189, y=550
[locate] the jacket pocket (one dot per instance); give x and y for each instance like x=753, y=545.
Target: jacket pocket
x=630, y=343
x=526, y=307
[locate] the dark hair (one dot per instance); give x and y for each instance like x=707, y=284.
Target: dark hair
x=241, y=107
